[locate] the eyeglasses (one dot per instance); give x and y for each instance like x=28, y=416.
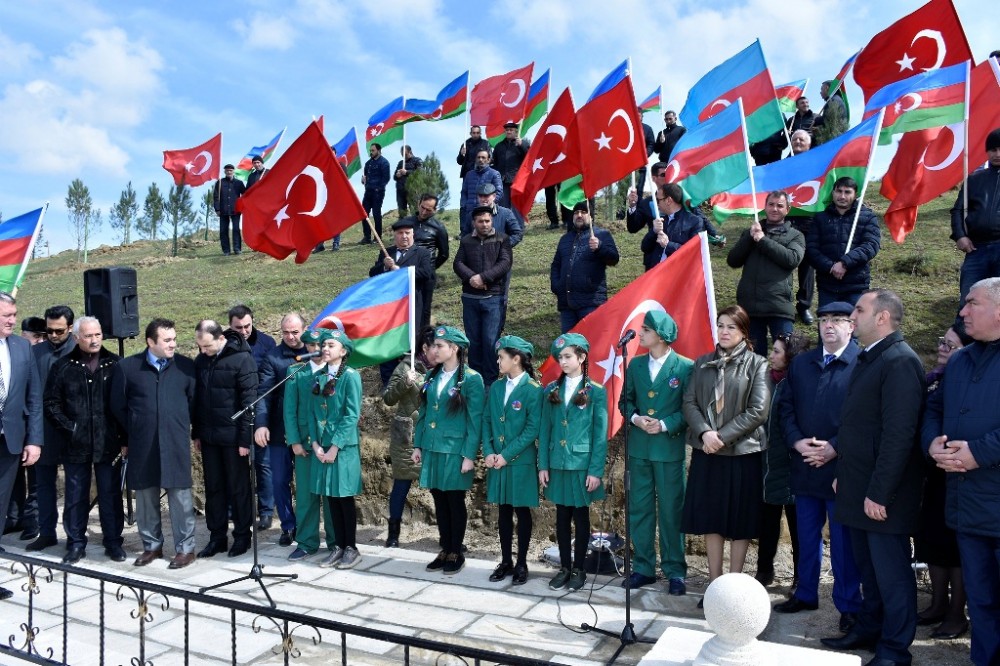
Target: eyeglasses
x=60, y=331
x=826, y=321
x=943, y=342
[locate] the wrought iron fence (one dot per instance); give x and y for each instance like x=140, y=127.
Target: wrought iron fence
x=29, y=643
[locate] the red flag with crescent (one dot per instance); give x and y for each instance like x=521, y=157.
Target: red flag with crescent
x=306, y=199
x=550, y=159
x=501, y=99
x=682, y=286
x=928, y=163
x=929, y=38
x=195, y=166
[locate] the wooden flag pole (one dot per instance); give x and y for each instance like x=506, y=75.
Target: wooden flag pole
x=864, y=185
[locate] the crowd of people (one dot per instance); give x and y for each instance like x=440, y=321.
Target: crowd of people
x=842, y=434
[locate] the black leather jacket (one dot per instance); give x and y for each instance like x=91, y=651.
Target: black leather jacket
x=982, y=223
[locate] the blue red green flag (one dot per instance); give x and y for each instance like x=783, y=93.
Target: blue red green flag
x=929, y=99
x=450, y=102
x=382, y=125
x=17, y=237
x=538, y=103
x=651, y=103
x=711, y=157
x=348, y=153
x=266, y=152
x=789, y=93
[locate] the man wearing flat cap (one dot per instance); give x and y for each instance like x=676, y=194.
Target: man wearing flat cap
x=507, y=158
x=578, y=275
x=652, y=403
x=473, y=181
x=227, y=191
x=403, y=254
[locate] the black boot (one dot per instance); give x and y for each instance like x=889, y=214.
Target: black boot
x=392, y=541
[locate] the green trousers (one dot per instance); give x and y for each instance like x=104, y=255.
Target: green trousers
x=308, y=507
x=656, y=500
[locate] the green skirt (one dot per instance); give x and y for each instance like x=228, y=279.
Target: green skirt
x=443, y=471
x=341, y=478
x=568, y=487
x=516, y=485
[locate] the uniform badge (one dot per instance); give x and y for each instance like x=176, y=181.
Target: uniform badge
x=440, y=332
x=674, y=382
x=516, y=405
x=560, y=342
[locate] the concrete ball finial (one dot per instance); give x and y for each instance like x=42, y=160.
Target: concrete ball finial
x=737, y=608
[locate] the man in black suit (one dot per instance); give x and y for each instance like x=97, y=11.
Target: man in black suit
x=20, y=404
x=880, y=478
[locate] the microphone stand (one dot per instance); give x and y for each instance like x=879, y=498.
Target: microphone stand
x=257, y=569
x=627, y=636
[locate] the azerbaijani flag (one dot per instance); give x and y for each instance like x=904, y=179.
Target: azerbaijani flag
x=450, y=102
x=538, y=102
x=17, y=237
x=348, y=153
x=711, y=157
x=807, y=177
x=382, y=125
x=789, y=93
x=651, y=103
x=837, y=86
x=930, y=99
x=744, y=75
x=265, y=151
x=377, y=314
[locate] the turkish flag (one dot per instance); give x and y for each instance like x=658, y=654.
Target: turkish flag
x=502, y=98
x=547, y=161
x=195, y=166
x=928, y=163
x=608, y=137
x=681, y=286
x=929, y=38
x=306, y=199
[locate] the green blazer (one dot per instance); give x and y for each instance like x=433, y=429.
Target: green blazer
x=512, y=429
x=662, y=399
x=298, y=393
x=333, y=420
x=442, y=431
x=572, y=437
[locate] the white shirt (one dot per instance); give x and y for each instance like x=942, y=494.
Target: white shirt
x=511, y=385
x=443, y=378
x=570, y=387
x=332, y=370
x=656, y=364
x=5, y=363
x=837, y=353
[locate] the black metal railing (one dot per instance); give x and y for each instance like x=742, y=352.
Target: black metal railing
x=27, y=643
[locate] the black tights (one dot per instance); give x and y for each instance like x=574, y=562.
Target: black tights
x=344, y=515
x=580, y=517
x=506, y=521
x=449, y=506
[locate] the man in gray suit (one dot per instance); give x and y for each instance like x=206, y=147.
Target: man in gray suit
x=20, y=404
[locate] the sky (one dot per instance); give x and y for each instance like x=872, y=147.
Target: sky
x=97, y=90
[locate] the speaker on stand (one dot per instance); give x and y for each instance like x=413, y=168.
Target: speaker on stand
x=112, y=296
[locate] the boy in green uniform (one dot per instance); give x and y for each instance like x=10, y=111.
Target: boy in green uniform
x=651, y=403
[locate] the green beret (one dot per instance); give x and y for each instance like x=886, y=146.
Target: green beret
x=451, y=334
x=314, y=336
x=662, y=323
x=569, y=340
x=341, y=337
x=517, y=344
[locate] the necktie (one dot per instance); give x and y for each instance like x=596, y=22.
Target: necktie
x=828, y=359
x=161, y=363
x=3, y=390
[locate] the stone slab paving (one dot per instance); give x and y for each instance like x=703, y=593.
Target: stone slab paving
x=679, y=647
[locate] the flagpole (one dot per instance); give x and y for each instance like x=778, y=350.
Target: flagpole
x=965, y=149
x=864, y=185
x=27, y=254
x=411, y=274
x=746, y=151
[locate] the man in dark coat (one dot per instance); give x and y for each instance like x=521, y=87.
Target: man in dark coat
x=674, y=226
x=257, y=172
x=649, y=139
x=880, y=478
x=668, y=136
x=404, y=168
x=578, y=275
x=507, y=158
x=20, y=405
x=375, y=178
x=225, y=383
x=77, y=403
x=152, y=395
x=59, y=342
x=227, y=191
x=961, y=432
x=468, y=150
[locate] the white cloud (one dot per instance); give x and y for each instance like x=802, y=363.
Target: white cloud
x=266, y=32
x=15, y=56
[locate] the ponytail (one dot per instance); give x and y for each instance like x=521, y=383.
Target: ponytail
x=457, y=401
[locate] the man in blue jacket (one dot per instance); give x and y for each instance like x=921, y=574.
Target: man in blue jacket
x=374, y=177
x=674, y=226
x=473, y=182
x=961, y=432
x=578, y=273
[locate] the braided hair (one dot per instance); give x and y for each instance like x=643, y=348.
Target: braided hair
x=332, y=382
x=523, y=359
x=582, y=396
x=456, y=402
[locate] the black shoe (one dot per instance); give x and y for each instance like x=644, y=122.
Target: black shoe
x=5, y=593
x=437, y=564
x=847, y=622
x=365, y=241
x=503, y=570
x=701, y=603
x=453, y=563
x=286, y=538
x=879, y=661
x=29, y=533
x=319, y=248
x=520, y=574
x=765, y=575
x=794, y=605
x=212, y=549
x=12, y=527
x=950, y=635
x=41, y=543
x=116, y=553
x=637, y=580
x=806, y=317
x=677, y=587
x=928, y=620
x=852, y=641
x=264, y=524
x=392, y=539
x=239, y=547
x=74, y=555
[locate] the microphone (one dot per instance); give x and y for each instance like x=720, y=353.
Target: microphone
x=627, y=338
x=303, y=357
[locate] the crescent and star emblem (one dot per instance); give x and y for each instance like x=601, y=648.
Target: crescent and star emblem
x=917, y=101
x=561, y=131
x=335, y=320
x=316, y=174
x=719, y=102
x=957, y=145
x=438, y=112
x=676, y=166
x=809, y=185
x=377, y=129
x=208, y=162
x=612, y=364
x=620, y=113
x=906, y=62
x=521, y=89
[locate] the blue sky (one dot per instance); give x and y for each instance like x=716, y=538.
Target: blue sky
x=96, y=90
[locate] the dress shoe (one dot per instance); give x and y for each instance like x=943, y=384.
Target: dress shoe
x=879, y=661
x=928, y=620
x=116, y=553
x=181, y=560
x=520, y=574
x=265, y=523
x=559, y=581
x=794, y=605
x=41, y=543
x=212, y=549
x=677, y=587
x=5, y=593
x=147, y=557
x=29, y=533
x=765, y=577
x=453, y=563
x=847, y=621
x=701, y=603
x=74, y=555
x=806, y=317
x=437, y=564
x=943, y=635
x=577, y=578
x=637, y=580
x=298, y=554
x=852, y=641
x=239, y=547
x=9, y=527
x=503, y=570
x=286, y=538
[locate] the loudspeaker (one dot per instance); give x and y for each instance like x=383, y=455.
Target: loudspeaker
x=112, y=295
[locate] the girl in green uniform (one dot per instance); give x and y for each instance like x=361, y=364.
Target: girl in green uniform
x=510, y=450
x=571, y=453
x=446, y=441
x=333, y=433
